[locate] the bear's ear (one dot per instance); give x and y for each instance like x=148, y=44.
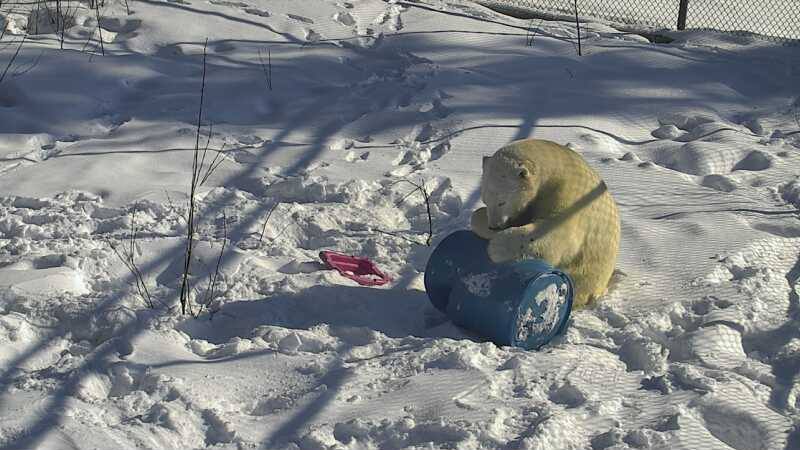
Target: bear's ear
x=485, y=161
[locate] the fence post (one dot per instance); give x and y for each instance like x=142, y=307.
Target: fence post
x=578, y=27
x=682, y=14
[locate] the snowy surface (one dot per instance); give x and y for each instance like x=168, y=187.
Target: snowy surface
x=696, y=346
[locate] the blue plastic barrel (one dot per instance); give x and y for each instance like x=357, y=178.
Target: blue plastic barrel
x=522, y=304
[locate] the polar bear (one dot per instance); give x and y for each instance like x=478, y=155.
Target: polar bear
x=544, y=201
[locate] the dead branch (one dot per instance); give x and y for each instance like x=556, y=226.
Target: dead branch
x=128, y=259
x=266, y=67
x=212, y=281
x=269, y=214
x=13, y=58
x=530, y=36
x=99, y=28
x=190, y=228
x=419, y=187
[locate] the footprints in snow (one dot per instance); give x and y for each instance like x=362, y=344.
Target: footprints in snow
x=228, y=3
x=301, y=19
x=158, y=401
x=356, y=17
x=248, y=9
x=37, y=148
x=392, y=17
x=344, y=18
x=719, y=155
x=257, y=12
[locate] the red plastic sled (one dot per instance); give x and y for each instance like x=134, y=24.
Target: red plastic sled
x=361, y=270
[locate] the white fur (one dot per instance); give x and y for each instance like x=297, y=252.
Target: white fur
x=544, y=201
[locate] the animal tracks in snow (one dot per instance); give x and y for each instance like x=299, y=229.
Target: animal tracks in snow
x=248, y=9
x=704, y=147
x=257, y=12
x=228, y=3
x=344, y=18
x=300, y=19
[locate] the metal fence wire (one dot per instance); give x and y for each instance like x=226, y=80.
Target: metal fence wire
x=775, y=19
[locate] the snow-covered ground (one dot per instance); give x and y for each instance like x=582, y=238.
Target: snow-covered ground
x=697, y=346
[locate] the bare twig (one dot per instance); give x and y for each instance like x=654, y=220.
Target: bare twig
x=60, y=23
x=128, y=258
x=173, y=207
x=266, y=67
x=67, y=17
x=529, y=36
x=205, y=171
x=125, y=258
x=13, y=58
x=269, y=214
x=398, y=234
x=421, y=188
x=185, y=288
x=205, y=149
x=212, y=281
x=63, y=16
x=89, y=39
x=36, y=23
x=213, y=165
x=22, y=70
x=99, y=28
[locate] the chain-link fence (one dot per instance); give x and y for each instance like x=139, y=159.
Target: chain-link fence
x=777, y=19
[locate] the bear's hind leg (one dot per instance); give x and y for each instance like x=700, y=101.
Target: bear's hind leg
x=589, y=286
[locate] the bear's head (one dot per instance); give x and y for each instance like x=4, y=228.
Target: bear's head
x=508, y=188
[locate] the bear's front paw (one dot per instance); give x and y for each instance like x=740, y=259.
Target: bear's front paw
x=502, y=249
x=479, y=224
x=513, y=244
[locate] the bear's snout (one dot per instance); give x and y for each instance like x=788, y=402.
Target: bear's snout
x=498, y=222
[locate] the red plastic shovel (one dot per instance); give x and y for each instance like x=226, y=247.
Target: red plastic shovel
x=361, y=270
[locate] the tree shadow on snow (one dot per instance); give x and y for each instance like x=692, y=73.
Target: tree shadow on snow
x=396, y=313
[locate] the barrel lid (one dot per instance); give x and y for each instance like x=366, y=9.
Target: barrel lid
x=543, y=311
